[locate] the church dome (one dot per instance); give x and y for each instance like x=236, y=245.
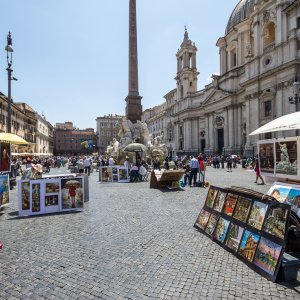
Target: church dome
x=241, y=12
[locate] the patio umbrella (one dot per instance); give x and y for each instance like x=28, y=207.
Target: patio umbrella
x=12, y=139
x=135, y=147
x=286, y=122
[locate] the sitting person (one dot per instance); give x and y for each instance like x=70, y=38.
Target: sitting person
x=33, y=172
x=134, y=173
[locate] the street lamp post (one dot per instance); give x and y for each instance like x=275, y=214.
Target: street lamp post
x=9, y=50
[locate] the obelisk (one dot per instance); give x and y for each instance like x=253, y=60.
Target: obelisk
x=133, y=100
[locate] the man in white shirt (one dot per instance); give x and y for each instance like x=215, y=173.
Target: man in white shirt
x=194, y=165
x=87, y=165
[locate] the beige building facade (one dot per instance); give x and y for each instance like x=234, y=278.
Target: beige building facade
x=259, y=58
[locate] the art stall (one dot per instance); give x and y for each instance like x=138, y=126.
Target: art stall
x=51, y=194
x=113, y=174
x=262, y=230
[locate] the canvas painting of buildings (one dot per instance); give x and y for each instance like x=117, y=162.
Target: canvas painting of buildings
x=276, y=222
x=221, y=230
x=257, y=214
x=211, y=224
x=210, y=198
x=267, y=255
x=248, y=245
x=242, y=209
x=219, y=201
x=202, y=219
x=230, y=203
x=234, y=236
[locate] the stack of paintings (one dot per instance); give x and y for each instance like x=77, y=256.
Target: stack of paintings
x=252, y=227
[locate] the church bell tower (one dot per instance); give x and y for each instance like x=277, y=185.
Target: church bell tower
x=187, y=74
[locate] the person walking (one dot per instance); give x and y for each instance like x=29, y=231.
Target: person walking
x=194, y=165
x=87, y=165
x=229, y=163
x=257, y=172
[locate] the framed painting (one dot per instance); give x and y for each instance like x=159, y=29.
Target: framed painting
x=234, y=236
x=210, y=198
x=4, y=189
x=221, y=230
x=52, y=187
x=4, y=157
x=286, y=158
x=248, y=245
x=115, y=177
x=25, y=195
x=36, y=197
x=257, y=214
x=114, y=170
x=72, y=193
x=230, y=203
x=105, y=174
x=267, y=256
x=51, y=200
x=212, y=222
x=219, y=200
x=242, y=209
x=266, y=157
x=123, y=174
x=202, y=219
x=276, y=222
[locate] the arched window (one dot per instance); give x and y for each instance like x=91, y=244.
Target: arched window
x=269, y=34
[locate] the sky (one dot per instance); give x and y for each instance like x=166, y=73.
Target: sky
x=71, y=56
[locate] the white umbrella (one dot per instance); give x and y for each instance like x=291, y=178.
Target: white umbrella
x=286, y=122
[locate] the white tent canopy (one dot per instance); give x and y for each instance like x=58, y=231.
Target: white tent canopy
x=286, y=122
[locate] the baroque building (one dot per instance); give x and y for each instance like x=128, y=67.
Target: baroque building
x=259, y=58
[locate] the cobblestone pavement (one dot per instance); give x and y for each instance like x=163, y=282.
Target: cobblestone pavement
x=130, y=242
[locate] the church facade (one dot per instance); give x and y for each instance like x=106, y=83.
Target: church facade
x=259, y=68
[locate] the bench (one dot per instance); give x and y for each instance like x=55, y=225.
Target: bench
x=288, y=268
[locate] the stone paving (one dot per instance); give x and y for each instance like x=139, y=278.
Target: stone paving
x=130, y=242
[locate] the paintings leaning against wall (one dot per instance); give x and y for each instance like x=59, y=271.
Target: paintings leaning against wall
x=266, y=157
x=251, y=226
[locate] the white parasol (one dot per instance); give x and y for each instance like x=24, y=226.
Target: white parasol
x=286, y=122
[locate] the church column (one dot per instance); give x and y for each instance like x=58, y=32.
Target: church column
x=247, y=113
x=194, y=65
x=226, y=130
x=211, y=132
x=231, y=127
x=207, y=140
x=239, y=125
x=187, y=135
x=176, y=137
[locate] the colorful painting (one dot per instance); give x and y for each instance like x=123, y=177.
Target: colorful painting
x=267, y=255
x=123, y=174
x=25, y=195
x=234, y=236
x=257, y=214
x=211, y=224
x=230, y=203
x=52, y=187
x=248, y=245
x=210, y=198
x=286, y=157
x=202, y=219
x=293, y=199
x=51, y=200
x=219, y=201
x=276, y=222
x=4, y=189
x=36, y=197
x=279, y=192
x=242, y=209
x=266, y=157
x=72, y=193
x=4, y=157
x=221, y=230
x=106, y=174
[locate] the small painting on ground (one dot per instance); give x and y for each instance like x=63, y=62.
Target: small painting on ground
x=257, y=214
x=248, y=245
x=202, y=219
x=211, y=224
x=234, y=236
x=267, y=255
x=242, y=209
x=221, y=230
